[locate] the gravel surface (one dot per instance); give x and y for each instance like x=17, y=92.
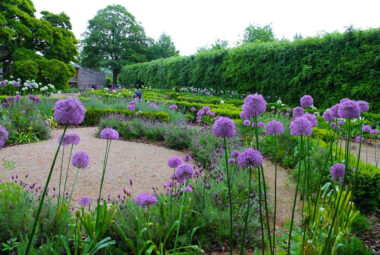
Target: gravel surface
x=146, y=164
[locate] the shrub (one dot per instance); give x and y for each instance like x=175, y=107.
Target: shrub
x=178, y=138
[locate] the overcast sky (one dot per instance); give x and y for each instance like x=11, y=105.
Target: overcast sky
x=196, y=23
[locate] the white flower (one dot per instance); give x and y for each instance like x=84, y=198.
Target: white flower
x=282, y=105
x=59, y=92
x=221, y=101
x=279, y=101
x=273, y=107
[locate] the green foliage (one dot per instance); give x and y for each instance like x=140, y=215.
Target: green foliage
x=178, y=138
x=255, y=33
x=163, y=48
x=93, y=116
x=113, y=39
x=367, y=195
x=328, y=68
x=25, y=69
x=353, y=246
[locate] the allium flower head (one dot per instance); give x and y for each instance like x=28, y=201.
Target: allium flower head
x=145, y=199
x=187, y=158
x=334, y=111
x=340, y=122
x=328, y=116
x=349, y=109
x=133, y=102
x=235, y=154
x=243, y=115
x=254, y=105
x=3, y=135
x=301, y=127
x=366, y=128
x=200, y=112
x=363, y=105
x=274, y=128
x=250, y=157
x=337, y=171
x=224, y=127
x=206, y=108
x=18, y=97
x=312, y=119
x=131, y=107
x=298, y=111
x=109, y=134
x=193, y=109
x=374, y=131
x=246, y=123
x=70, y=138
x=84, y=201
x=174, y=162
x=184, y=171
x=69, y=111
x=173, y=107
x=306, y=101
x=332, y=124
x=188, y=189
x=261, y=124
x=231, y=161
x=81, y=159
x=10, y=99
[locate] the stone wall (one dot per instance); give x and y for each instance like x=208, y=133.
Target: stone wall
x=90, y=76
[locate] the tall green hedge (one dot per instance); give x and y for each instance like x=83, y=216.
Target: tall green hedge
x=329, y=68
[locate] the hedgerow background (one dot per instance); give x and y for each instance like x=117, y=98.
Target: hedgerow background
x=329, y=68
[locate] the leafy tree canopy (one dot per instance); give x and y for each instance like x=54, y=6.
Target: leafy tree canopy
x=114, y=39
x=164, y=48
x=255, y=33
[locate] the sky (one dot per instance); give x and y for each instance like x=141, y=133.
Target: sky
x=198, y=23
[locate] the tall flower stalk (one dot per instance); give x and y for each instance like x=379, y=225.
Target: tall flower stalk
x=69, y=111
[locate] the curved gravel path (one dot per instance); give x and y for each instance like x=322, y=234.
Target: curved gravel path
x=146, y=164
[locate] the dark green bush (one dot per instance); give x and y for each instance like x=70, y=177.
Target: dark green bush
x=178, y=138
x=353, y=246
x=329, y=68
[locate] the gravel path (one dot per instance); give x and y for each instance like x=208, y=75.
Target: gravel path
x=146, y=164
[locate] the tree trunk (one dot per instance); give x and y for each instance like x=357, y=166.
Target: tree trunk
x=115, y=74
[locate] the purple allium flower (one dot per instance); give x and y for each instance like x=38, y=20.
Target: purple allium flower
x=69, y=111
x=15, y=84
x=243, y=115
x=65, y=141
x=298, y=111
x=301, y=127
x=253, y=125
x=184, y=171
x=261, y=124
x=193, y=109
x=145, y=199
x=200, y=112
x=338, y=128
x=231, y=161
x=312, y=119
x=169, y=184
x=274, y=128
x=254, y=105
x=334, y=111
x=3, y=135
x=235, y=154
x=18, y=97
x=152, y=105
x=3, y=84
x=349, y=109
x=133, y=102
x=363, y=105
x=209, y=113
x=246, y=123
x=37, y=100
x=306, y=101
x=344, y=100
x=366, y=128
x=10, y=99
x=337, y=171
x=174, y=162
x=109, y=134
x=23, y=112
x=374, y=131
x=187, y=158
x=340, y=122
x=224, y=127
x=81, y=159
x=70, y=138
x=357, y=139
x=156, y=107
x=328, y=116
x=287, y=114
x=84, y=201
x=250, y=157
x=188, y=189
x=173, y=107
x=332, y=124
x=206, y=108
x=131, y=107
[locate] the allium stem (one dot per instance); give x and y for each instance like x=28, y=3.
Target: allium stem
x=357, y=164
x=229, y=193
x=60, y=176
x=43, y=195
x=72, y=188
x=247, y=213
x=295, y=197
x=108, y=145
x=67, y=170
x=180, y=219
x=341, y=190
x=275, y=195
x=266, y=208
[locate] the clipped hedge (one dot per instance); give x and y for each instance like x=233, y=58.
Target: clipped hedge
x=329, y=68
x=93, y=116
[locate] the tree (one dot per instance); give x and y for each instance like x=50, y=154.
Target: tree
x=114, y=39
x=255, y=33
x=164, y=48
x=219, y=44
x=22, y=35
